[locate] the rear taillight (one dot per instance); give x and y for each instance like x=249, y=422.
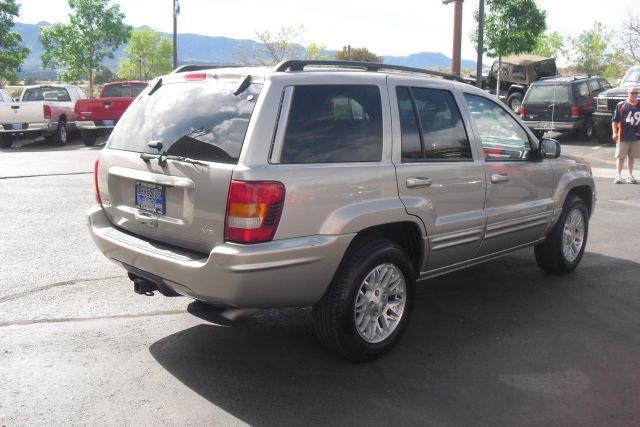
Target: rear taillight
x=522, y=111
x=95, y=181
x=253, y=211
x=47, y=111
x=575, y=112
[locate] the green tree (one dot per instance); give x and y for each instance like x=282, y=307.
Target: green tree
x=149, y=55
x=95, y=30
x=509, y=30
x=104, y=75
x=12, y=53
x=357, y=54
x=315, y=51
x=631, y=37
x=551, y=45
x=595, y=52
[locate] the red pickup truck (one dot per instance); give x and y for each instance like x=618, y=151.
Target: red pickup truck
x=99, y=115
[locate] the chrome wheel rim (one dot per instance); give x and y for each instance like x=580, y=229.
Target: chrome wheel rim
x=573, y=235
x=380, y=303
x=63, y=134
x=515, y=105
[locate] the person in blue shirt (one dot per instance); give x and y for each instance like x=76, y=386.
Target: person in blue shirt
x=626, y=132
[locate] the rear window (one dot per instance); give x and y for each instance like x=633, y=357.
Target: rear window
x=201, y=120
x=122, y=91
x=334, y=124
x=548, y=93
x=47, y=93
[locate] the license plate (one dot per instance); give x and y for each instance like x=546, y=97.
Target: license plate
x=150, y=197
x=544, y=126
x=107, y=122
x=16, y=126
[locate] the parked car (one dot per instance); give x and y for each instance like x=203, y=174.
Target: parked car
x=99, y=116
x=562, y=104
x=41, y=110
x=607, y=101
x=309, y=184
x=5, y=97
x=516, y=74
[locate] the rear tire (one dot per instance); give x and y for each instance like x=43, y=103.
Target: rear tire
x=59, y=137
x=587, y=131
x=88, y=137
x=558, y=254
x=360, y=316
x=603, y=133
x=515, y=101
x=6, y=141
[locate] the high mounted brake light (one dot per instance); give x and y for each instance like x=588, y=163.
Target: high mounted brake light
x=253, y=211
x=195, y=76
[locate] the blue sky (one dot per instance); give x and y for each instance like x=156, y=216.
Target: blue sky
x=398, y=27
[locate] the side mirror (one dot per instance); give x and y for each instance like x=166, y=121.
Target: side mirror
x=549, y=148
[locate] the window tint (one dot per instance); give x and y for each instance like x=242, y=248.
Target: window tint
x=594, y=85
x=333, y=124
x=582, y=91
x=605, y=84
x=502, y=137
x=201, y=120
x=127, y=91
x=443, y=133
x=49, y=93
x=548, y=92
x=519, y=72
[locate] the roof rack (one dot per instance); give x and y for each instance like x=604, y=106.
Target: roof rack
x=299, y=64
x=198, y=67
x=570, y=77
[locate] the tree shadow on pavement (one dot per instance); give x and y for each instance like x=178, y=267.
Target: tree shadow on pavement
x=499, y=343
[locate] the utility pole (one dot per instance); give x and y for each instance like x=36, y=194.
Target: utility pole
x=176, y=12
x=457, y=35
x=480, y=44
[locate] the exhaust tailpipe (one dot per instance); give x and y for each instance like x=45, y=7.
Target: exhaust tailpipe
x=144, y=287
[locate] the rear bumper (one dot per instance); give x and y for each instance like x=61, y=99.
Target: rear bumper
x=553, y=126
x=43, y=127
x=90, y=125
x=283, y=273
x=601, y=118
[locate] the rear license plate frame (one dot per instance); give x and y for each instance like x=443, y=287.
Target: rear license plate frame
x=150, y=197
x=16, y=126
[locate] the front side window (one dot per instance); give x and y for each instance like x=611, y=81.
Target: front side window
x=436, y=132
x=502, y=137
x=582, y=91
x=334, y=124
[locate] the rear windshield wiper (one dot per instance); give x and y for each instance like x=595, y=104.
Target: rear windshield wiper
x=162, y=159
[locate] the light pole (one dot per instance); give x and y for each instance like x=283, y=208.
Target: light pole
x=457, y=35
x=176, y=12
x=480, y=44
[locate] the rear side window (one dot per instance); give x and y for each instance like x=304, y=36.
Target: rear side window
x=545, y=93
x=122, y=91
x=47, y=93
x=432, y=128
x=334, y=124
x=201, y=120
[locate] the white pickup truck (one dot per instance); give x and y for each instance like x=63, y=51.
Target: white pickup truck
x=41, y=110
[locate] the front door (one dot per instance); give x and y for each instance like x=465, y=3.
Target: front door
x=519, y=203
x=439, y=179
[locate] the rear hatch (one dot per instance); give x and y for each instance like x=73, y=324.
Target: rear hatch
x=172, y=201
x=548, y=102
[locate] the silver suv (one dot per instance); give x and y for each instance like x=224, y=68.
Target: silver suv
x=333, y=184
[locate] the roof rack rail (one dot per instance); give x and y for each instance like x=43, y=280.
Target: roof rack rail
x=299, y=64
x=571, y=76
x=198, y=67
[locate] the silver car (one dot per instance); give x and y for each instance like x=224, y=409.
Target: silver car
x=332, y=184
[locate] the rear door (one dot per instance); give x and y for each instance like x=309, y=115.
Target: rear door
x=440, y=179
x=176, y=202
x=519, y=203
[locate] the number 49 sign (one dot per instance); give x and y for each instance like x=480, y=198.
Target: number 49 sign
x=633, y=118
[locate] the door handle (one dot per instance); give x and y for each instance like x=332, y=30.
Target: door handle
x=499, y=177
x=418, y=182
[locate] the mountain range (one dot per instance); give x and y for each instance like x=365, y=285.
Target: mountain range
x=196, y=48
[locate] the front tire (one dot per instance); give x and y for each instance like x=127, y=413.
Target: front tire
x=587, y=131
x=562, y=251
x=603, y=133
x=6, y=141
x=368, y=304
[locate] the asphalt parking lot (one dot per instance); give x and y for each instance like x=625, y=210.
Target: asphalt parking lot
x=496, y=344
